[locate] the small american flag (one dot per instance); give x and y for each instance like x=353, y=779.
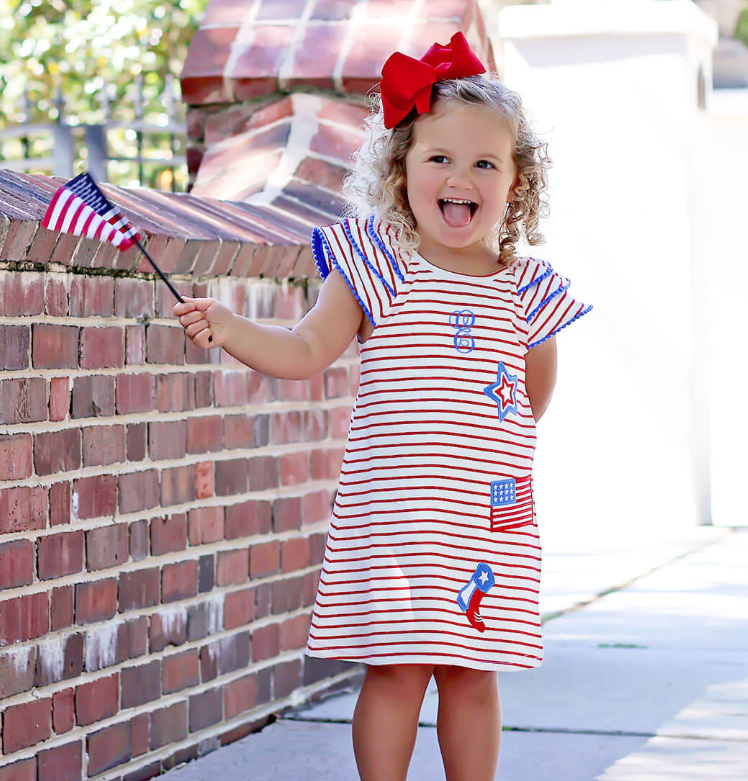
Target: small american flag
x=81, y=209
x=512, y=505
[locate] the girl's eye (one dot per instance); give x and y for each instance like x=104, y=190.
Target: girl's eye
x=437, y=159
x=485, y=164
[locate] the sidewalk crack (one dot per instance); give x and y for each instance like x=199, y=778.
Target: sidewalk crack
x=544, y=619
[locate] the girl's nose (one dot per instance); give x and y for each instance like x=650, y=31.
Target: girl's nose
x=459, y=180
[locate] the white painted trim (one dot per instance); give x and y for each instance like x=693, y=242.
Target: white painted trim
x=612, y=17
x=304, y=126
x=286, y=68
x=244, y=36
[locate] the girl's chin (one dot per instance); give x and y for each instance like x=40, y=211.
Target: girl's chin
x=431, y=242
x=460, y=235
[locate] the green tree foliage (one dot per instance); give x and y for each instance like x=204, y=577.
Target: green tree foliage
x=741, y=31
x=79, y=49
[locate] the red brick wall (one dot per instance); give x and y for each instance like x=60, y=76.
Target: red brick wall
x=163, y=513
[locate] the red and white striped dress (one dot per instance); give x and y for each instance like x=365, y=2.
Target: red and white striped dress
x=433, y=554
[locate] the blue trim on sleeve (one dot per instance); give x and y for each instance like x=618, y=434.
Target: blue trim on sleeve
x=557, y=292
x=337, y=267
x=319, y=240
x=366, y=260
x=319, y=244
x=378, y=240
x=538, y=279
x=560, y=328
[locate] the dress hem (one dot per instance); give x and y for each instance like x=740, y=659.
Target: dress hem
x=426, y=659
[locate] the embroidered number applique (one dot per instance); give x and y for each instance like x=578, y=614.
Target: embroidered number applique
x=504, y=391
x=463, y=320
x=472, y=593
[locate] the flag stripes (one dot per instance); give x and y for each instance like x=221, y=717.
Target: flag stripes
x=80, y=208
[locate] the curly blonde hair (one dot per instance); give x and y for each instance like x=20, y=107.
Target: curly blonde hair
x=376, y=182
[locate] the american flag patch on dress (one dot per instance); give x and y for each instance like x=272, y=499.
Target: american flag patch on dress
x=81, y=209
x=511, y=503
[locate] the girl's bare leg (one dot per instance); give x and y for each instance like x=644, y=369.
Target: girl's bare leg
x=385, y=722
x=468, y=722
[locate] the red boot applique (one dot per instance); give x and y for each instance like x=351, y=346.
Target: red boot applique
x=472, y=593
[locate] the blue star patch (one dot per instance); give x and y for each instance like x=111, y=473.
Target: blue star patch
x=504, y=391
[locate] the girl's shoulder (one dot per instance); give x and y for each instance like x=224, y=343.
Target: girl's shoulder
x=528, y=272
x=545, y=300
x=364, y=236
x=366, y=253
x=362, y=242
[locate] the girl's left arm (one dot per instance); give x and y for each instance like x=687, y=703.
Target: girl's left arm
x=540, y=375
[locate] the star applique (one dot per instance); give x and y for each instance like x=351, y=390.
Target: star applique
x=504, y=391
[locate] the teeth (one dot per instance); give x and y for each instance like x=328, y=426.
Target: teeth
x=455, y=200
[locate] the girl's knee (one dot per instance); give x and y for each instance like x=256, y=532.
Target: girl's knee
x=480, y=683
x=404, y=676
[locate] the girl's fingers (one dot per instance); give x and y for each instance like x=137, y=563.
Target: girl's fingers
x=191, y=317
x=196, y=328
x=180, y=308
x=191, y=305
x=200, y=303
x=203, y=340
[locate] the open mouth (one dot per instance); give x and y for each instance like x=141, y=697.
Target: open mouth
x=457, y=212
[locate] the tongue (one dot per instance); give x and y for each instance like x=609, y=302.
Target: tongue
x=456, y=215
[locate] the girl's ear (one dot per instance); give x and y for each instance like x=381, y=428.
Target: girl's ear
x=512, y=192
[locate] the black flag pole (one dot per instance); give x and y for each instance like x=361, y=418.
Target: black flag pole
x=162, y=275
x=159, y=272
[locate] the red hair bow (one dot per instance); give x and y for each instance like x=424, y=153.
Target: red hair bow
x=407, y=83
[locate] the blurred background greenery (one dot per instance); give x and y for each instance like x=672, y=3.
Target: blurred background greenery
x=741, y=31
x=77, y=56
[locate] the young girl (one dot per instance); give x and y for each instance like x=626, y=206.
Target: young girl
x=433, y=560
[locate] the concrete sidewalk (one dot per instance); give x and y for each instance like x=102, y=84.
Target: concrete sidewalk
x=647, y=681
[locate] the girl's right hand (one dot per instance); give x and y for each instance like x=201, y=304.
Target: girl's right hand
x=203, y=318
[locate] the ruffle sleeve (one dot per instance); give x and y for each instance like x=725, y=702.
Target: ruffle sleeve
x=363, y=252
x=546, y=302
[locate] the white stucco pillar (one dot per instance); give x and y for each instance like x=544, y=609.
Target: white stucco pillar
x=725, y=196
x=619, y=89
